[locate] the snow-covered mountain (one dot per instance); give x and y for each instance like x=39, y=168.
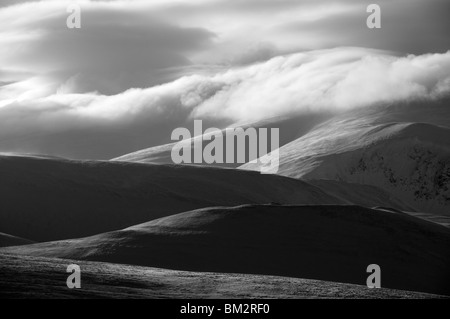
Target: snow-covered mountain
x=292, y=127
x=402, y=149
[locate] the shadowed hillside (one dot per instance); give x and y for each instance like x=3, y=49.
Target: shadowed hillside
x=333, y=243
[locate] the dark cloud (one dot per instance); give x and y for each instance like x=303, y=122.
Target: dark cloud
x=191, y=59
x=113, y=51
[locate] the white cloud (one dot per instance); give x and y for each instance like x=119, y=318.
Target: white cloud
x=128, y=44
x=316, y=81
x=137, y=69
x=329, y=80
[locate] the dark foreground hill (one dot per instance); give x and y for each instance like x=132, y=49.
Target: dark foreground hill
x=45, y=199
x=35, y=277
x=332, y=243
x=9, y=240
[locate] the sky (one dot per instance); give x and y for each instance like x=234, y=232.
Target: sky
x=135, y=70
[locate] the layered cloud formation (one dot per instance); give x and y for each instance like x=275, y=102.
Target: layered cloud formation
x=138, y=69
x=315, y=81
x=137, y=44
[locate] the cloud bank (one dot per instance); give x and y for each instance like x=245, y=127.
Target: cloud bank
x=137, y=69
x=137, y=44
x=92, y=125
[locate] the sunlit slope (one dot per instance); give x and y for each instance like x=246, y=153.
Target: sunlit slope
x=410, y=160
